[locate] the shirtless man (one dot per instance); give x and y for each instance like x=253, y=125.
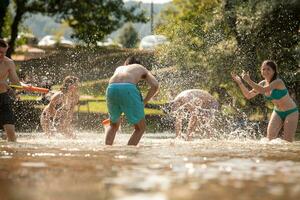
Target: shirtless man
x=195, y=105
x=7, y=71
x=123, y=96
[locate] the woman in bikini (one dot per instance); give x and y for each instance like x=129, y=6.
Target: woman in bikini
x=58, y=114
x=285, y=113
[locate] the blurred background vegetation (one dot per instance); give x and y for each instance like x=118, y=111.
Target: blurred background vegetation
x=211, y=38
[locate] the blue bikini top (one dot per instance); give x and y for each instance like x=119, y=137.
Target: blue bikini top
x=277, y=94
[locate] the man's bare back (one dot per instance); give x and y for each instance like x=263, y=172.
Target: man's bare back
x=133, y=73
x=129, y=74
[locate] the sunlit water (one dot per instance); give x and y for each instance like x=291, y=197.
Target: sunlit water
x=160, y=168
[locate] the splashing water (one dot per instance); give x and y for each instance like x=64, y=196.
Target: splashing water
x=231, y=164
x=213, y=124
x=161, y=167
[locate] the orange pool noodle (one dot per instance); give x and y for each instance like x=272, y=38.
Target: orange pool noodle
x=30, y=88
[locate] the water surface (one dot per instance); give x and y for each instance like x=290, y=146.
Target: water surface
x=160, y=168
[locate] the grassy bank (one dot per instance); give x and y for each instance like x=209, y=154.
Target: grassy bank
x=85, y=63
x=92, y=105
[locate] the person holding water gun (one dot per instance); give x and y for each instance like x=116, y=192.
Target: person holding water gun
x=7, y=71
x=58, y=114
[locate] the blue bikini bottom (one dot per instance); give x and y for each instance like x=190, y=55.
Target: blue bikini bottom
x=284, y=114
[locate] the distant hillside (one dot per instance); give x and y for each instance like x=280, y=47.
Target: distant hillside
x=43, y=25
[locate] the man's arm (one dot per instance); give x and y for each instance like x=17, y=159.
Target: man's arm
x=4, y=85
x=13, y=77
x=154, y=85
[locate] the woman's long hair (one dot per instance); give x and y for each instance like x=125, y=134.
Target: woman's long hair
x=273, y=65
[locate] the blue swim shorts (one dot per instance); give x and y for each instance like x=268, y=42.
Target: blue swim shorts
x=124, y=98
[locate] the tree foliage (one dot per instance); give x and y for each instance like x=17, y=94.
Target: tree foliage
x=21, y=7
x=128, y=36
x=3, y=9
x=211, y=38
x=92, y=20
x=6, y=27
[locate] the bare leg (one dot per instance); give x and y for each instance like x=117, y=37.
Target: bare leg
x=10, y=131
x=110, y=132
x=178, y=127
x=139, y=130
x=45, y=123
x=66, y=126
x=274, y=126
x=290, y=126
x=62, y=120
x=67, y=130
x=191, y=127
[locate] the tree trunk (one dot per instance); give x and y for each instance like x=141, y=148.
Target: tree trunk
x=14, y=27
x=3, y=8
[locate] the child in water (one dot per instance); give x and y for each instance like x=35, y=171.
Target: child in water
x=191, y=104
x=58, y=114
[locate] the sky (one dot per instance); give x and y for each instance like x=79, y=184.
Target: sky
x=149, y=1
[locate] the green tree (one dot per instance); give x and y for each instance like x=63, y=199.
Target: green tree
x=266, y=30
x=128, y=36
x=194, y=28
x=3, y=10
x=6, y=29
x=209, y=39
x=92, y=20
x=22, y=7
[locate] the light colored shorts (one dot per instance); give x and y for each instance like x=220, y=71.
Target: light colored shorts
x=124, y=98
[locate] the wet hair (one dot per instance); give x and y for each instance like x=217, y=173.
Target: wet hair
x=68, y=81
x=3, y=43
x=273, y=65
x=131, y=60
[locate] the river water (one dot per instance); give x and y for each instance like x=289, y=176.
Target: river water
x=160, y=168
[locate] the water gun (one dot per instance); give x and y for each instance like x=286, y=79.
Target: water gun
x=30, y=88
x=106, y=122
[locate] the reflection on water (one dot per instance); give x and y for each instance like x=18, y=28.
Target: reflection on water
x=160, y=168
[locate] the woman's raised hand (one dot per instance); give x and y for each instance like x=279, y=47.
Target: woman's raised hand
x=236, y=78
x=245, y=76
